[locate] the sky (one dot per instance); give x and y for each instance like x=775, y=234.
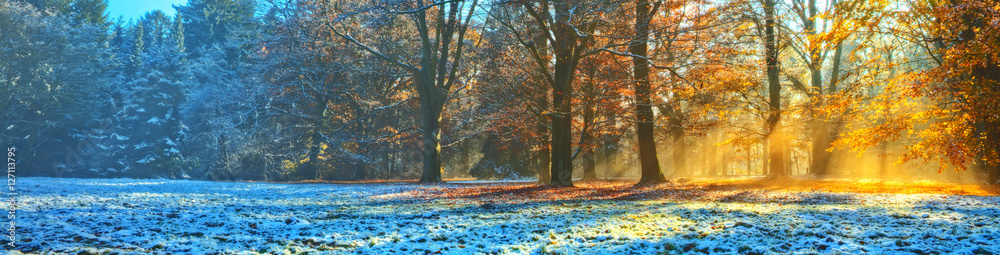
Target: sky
x=134, y=9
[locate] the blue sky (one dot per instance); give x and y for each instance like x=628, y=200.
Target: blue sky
x=133, y=9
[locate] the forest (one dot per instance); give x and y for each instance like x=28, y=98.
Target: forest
x=502, y=127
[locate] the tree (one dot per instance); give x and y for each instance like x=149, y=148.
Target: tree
x=843, y=28
x=54, y=84
x=148, y=130
x=152, y=108
x=441, y=28
x=155, y=26
x=569, y=41
x=600, y=101
x=958, y=129
x=57, y=7
x=643, y=108
x=214, y=22
x=90, y=11
x=511, y=94
x=775, y=143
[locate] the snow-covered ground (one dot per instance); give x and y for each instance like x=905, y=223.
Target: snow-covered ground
x=180, y=217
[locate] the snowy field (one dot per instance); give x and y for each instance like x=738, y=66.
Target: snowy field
x=108, y=216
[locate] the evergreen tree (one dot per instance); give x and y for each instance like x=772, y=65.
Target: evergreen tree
x=56, y=7
x=178, y=32
x=209, y=23
x=148, y=132
x=149, y=129
x=54, y=87
x=135, y=60
x=156, y=25
x=152, y=118
x=90, y=11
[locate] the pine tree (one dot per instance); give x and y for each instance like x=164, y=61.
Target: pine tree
x=178, y=32
x=148, y=131
x=90, y=11
x=210, y=23
x=59, y=98
x=56, y=7
x=135, y=60
x=156, y=25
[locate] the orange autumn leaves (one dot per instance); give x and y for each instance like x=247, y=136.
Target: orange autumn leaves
x=948, y=111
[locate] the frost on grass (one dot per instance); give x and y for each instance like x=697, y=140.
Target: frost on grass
x=178, y=216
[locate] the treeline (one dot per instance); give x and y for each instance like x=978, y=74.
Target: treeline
x=349, y=90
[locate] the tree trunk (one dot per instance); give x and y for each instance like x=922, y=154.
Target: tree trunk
x=821, y=134
x=990, y=130
x=883, y=159
x=589, y=165
x=544, y=157
x=679, y=150
x=431, y=103
x=992, y=141
x=777, y=162
x=648, y=161
x=586, y=137
x=993, y=175
x=765, y=155
x=308, y=169
x=562, y=91
x=562, y=140
x=989, y=78
x=223, y=152
x=713, y=154
x=361, y=172
x=821, y=142
x=432, y=149
x=993, y=168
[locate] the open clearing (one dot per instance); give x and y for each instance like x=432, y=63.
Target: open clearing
x=724, y=217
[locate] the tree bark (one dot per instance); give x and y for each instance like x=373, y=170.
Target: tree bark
x=432, y=148
x=589, y=165
x=990, y=131
x=223, y=153
x=993, y=146
x=542, y=100
x=776, y=158
x=679, y=149
x=431, y=103
x=821, y=132
x=544, y=156
x=587, y=137
x=562, y=91
x=644, y=125
x=309, y=170
x=992, y=137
